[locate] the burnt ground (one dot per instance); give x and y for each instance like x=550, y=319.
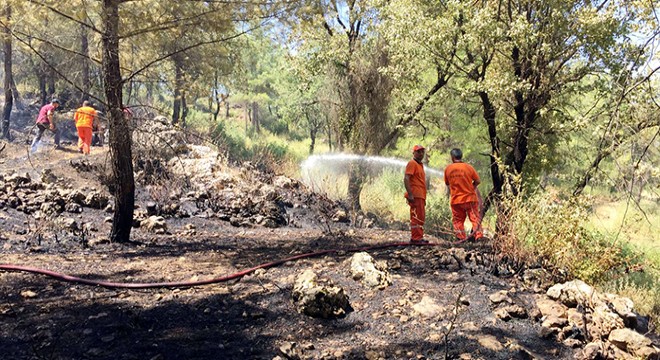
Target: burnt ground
x=252, y=317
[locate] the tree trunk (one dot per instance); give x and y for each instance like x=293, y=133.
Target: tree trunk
x=18, y=102
x=329, y=128
x=246, y=116
x=313, y=130
x=216, y=99
x=84, y=50
x=51, y=84
x=9, y=97
x=255, y=117
x=496, y=176
x=356, y=177
x=178, y=80
x=43, y=94
x=184, y=108
x=120, y=136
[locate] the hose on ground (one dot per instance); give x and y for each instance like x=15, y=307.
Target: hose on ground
x=182, y=284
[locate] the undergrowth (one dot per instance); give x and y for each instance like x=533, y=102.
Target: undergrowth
x=555, y=232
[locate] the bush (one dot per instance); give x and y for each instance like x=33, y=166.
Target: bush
x=641, y=287
x=438, y=215
x=554, y=231
x=234, y=146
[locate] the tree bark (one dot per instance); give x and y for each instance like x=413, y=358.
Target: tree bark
x=84, y=50
x=9, y=97
x=178, y=80
x=43, y=94
x=356, y=178
x=313, y=130
x=18, y=102
x=255, y=117
x=51, y=84
x=495, y=151
x=120, y=136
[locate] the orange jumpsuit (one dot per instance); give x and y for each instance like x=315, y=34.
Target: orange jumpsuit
x=84, y=118
x=418, y=206
x=460, y=178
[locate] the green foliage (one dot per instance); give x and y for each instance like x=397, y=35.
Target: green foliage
x=232, y=144
x=554, y=231
x=383, y=196
x=641, y=286
x=438, y=215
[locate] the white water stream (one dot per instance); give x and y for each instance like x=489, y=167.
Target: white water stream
x=320, y=169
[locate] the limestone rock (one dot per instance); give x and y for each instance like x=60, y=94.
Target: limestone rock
x=536, y=278
x=154, y=224
x=370, y=272
x=499, y=297
x=603, y=322
x=428, y=308
x=549, y=307
x=96, y=200
x=284, y=182
x=340, y=216
x=592, y=351
x=633, y=342
x=573, y=293
x=516, y=311
x=316, y=300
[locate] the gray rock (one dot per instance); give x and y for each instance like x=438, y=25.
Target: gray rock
x=51, y=208
x=370, y=272
x=75, y=196
x=152, y=208
x=73, y=208
x=47, y=176
x=316, y=300
x=68, y=224
x=573, y=293
x=154, y=224
x=500, y=297
x=96, y=200
x=630, y=341
x=428, y=308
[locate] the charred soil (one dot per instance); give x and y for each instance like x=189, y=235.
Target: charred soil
x=237, y=220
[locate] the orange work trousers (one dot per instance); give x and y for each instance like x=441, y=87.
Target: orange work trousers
x=417, y=216
x=459, y=213
x=84, y=139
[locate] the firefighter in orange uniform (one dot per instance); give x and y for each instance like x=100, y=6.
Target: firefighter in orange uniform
x=84, y=118
x=462, y=181
x=415, y=183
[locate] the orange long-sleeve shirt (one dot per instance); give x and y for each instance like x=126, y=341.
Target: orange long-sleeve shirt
x=84, y=116
x=417, y=179
x=460, y=178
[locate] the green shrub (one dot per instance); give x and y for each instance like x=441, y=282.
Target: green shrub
x=556, y=232
x=233, y=145
x=641, y=287
x=438, y=215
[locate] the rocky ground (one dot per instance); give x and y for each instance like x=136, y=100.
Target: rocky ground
x=198, y=218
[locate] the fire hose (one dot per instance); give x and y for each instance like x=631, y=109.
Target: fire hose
x=182, y=284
